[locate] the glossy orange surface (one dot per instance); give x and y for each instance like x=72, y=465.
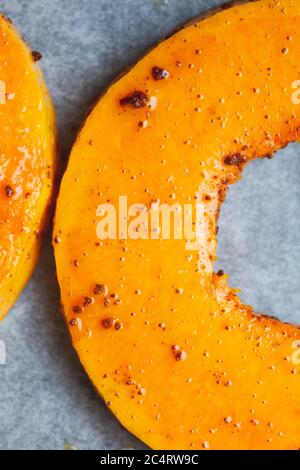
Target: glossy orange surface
x=176, y=356
x=27, y=162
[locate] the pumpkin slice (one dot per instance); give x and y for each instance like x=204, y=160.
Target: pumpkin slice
x=27, y=161
x=177, y=357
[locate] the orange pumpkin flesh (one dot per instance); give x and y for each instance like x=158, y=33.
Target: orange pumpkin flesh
x=176, y=356
x=27, y=162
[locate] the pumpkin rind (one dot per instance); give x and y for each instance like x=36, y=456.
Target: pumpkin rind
x=190, y=366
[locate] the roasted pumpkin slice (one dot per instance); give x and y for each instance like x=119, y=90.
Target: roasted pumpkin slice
x=177, y=357
x=27, y=161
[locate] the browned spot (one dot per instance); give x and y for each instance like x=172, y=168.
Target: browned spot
x=136, y=99
x=222, y=194
x=107, y=323
x=77, y=309
x=36, y=56
x=107, y=302
x=234, y=159
x=9, y=20
x=9, y=191
x=159, y=73
x=179, y=355
x=100, y=289
x=220, y=273
x=87, y=301
x=179, y=290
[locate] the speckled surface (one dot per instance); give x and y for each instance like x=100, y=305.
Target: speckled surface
x=46, y=399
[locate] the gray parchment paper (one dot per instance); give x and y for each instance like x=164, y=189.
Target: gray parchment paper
x=46, y=401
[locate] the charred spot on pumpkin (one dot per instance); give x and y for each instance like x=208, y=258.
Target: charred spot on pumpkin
x=225, y=181
x=100, y=289
x=159, y=73
x=107, y=323
x=136, y=99
x=87, y=301
x=7, y=18
x=9, y=191
x=77, y=309
x=73, y=322
x=178, y=354
x=235, y=159
x=118, y=326
x=222, y=194
x=36, y=56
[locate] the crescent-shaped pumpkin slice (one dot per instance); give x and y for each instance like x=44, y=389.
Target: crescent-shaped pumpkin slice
x=176, y=356
x=27, y=161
